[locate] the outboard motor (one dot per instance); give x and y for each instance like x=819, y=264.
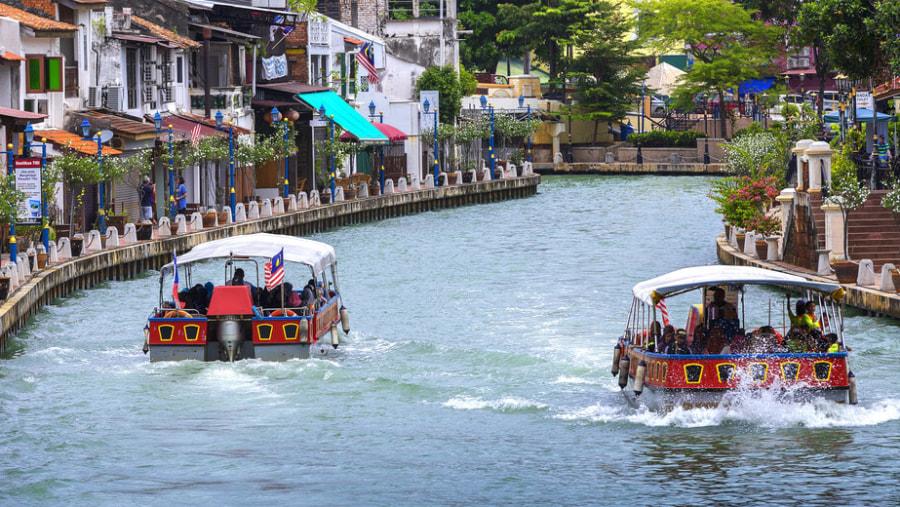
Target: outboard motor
x=229, y=335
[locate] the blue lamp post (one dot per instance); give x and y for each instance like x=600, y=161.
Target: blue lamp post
x=528, y=119
x=86, y=135
x=330, y=120
x=427, y=106
x=157, y=121
x=45, y=229
x=13, y=250
x=485, y=107
x=219, y=119
x=380, y=148
x=277, y=120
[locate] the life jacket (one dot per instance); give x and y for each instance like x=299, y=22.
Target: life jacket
x=833, y=348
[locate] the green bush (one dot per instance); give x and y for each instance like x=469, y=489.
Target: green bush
x=667, y=139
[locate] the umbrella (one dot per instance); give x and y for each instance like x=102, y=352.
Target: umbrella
x=663, y=78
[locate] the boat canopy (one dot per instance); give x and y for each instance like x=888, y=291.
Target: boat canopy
x=314, y=254
x=653, y=290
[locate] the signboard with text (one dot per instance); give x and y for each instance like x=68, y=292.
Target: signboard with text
x=864, y=100
x=28, y=180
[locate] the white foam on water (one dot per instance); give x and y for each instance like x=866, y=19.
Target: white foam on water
x=507, y=404
x=574, y=380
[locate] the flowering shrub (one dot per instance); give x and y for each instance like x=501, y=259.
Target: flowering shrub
x=749, y=154
x=891, y=200
x=743, y=201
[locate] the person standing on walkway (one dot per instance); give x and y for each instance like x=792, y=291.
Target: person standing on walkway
x=181, y=195
x=148, y=198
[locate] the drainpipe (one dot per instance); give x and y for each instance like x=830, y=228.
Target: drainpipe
x=207, y=99
x=254, y=73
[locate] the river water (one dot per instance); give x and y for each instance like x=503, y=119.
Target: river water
x=476, y=373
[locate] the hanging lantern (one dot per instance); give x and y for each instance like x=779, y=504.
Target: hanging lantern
x=292, y=115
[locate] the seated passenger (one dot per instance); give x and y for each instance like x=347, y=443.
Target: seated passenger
x=719, y=308
x=292, y=297
x=810, y=319
x=717, y=343
x=796, y=318
x=668, y=338
x=794, y=342
x=833, y=346
x=701, y=339
x=680, y=344
x=238, y=279
x=308, y=295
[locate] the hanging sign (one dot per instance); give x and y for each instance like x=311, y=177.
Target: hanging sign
x=28, y=180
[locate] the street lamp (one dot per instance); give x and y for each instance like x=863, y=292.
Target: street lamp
x=331, y=121
x=219, y=120
x=157, y=122
x=427, y=106
x=276, y=120
x=86, y=135
x=380, y=147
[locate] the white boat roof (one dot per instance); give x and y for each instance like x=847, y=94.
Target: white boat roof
x=314, y=254
x=704, y=276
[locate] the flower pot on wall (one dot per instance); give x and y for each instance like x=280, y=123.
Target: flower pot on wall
x=4, y=287
x=845, y=271
x=895, y=276
x=762, y=249
x=41, y=260
x=740, y=240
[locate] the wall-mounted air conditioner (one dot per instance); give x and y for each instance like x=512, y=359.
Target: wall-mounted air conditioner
x=94, y=98
x=115, y=98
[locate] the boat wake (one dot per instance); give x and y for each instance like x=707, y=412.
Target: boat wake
x=766, y=411
x=505, y=405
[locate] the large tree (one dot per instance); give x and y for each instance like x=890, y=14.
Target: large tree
x=730, y=44
x=606, y=66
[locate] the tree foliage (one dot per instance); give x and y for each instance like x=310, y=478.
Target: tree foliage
x=730, y=44
x=450, y=87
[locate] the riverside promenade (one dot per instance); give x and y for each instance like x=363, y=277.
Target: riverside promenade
x=126, y=261
x=868, y=298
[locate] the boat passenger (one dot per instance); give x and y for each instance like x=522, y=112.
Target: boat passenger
x=794, y=342
x=293, y=298
x=719, y=308
x=717, y=343
x=238, y=279
x=738, y=342
x=810, y=319
x=680, y=345
x=668, y=338
x=308, y=295
x=701, y=339
x=796, y=318
x=833, y=346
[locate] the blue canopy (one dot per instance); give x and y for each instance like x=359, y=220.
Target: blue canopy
x=862, y=116
x=756, y=85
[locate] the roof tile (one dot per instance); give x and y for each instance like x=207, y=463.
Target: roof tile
x=183, y=42
x=35, y=22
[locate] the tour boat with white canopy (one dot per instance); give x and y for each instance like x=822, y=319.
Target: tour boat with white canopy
x=223, y=313
x=742, y=336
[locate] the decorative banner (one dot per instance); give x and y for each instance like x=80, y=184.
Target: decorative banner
x=28, y=180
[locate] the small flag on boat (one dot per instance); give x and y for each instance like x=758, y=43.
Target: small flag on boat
x=274, y=271
x=195, y=135
x=178, y=304
x=664, y=311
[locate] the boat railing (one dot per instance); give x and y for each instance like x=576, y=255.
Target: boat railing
x=301, y=311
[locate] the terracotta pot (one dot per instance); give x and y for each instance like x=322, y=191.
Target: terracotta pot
x=895, y=276
x=42, y=260
x=482, y=175
x=467, y=177
x=451, y=178
x=846, y=271
x=325, y=197
x=77, y=244
x=762, y=249
x=209, y=219
x=740, y=240
x=350, y=194
x=144, y=232
x=4, y=287
x=727, y=232
x=375, y=189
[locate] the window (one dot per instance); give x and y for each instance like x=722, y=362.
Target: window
x=45, y=74
x=179, y=69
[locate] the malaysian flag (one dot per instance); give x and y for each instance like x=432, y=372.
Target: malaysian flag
x=274, y=271
x=195, y=135
x=664, y=311
x=366, y=58
x=178, y=304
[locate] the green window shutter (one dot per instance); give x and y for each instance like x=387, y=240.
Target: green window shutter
x=54, y=74
x=34, y=74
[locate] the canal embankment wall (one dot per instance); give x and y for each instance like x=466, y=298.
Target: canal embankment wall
x=625, y=168
x=869, y=299
x=124, y=262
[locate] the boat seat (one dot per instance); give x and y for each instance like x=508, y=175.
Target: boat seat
x=230, y=300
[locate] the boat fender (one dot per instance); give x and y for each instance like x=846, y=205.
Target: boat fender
x=334, y=337
x=623, y=371
x=617, y=355
x=146, y=338
x=304, y=331
x=851, y=378
x=177, y=313
x=639, y=378
x=286, y=313
x=345, y=320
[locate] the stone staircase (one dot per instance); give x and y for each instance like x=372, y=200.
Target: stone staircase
x=874, y=233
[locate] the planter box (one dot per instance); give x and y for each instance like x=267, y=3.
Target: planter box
x=846, y=272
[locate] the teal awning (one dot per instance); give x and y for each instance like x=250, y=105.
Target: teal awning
x=345, y=116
